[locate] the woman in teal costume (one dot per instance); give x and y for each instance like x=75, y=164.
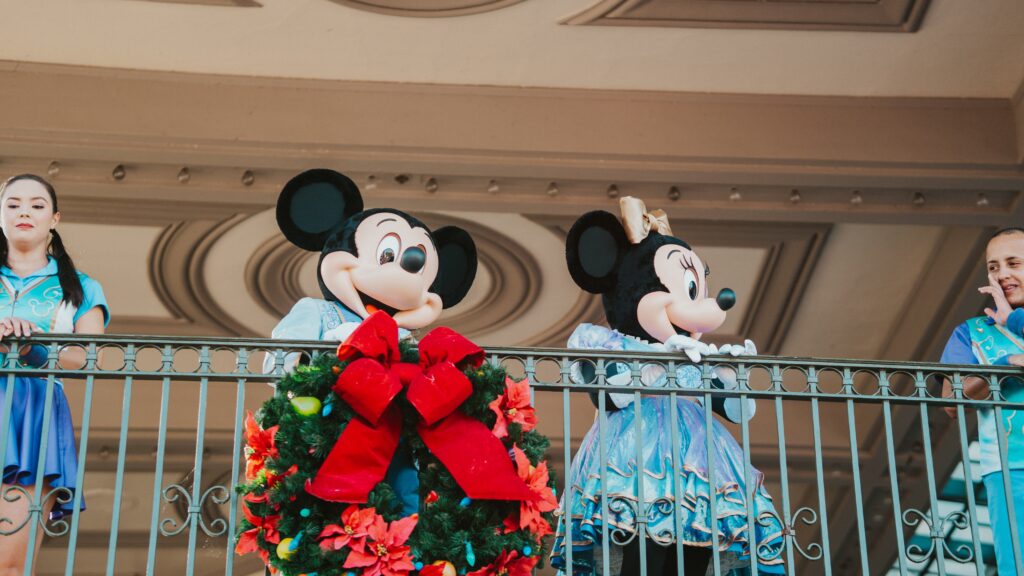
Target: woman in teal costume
x=40, y=292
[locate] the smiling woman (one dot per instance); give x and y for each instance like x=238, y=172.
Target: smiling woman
x=44, y=293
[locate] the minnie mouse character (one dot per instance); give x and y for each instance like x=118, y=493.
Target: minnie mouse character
x=370, y=260
x=654, y=288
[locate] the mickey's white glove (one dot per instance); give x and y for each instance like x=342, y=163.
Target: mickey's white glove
x=341, y=332
x=693, y=348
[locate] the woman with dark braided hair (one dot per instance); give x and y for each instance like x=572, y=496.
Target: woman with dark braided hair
x=40, y=291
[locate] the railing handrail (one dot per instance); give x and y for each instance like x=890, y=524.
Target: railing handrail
x=261, y=344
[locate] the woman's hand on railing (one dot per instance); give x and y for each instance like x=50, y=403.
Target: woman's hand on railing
x=17, y=327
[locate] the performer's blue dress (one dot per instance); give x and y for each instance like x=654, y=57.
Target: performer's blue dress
x=616, y=477
x=38, y=299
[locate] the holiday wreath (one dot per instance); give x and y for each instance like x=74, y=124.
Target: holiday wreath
x=315, y=499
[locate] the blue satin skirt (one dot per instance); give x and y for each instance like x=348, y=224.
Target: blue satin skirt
x=24, y=435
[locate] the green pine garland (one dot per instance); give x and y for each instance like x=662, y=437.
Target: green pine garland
x=444, y=527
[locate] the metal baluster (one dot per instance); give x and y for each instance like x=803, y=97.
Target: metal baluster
x=706, y=375
x=36, y=506
x=10, y=361
x=783, y=469
x=91, y=361
x=961, y=420
x=677, y=450
x=602, y=437
x=812, y=382
x=883, y=385
x=568, y=539
x=851, y=417
x=195, y=506
x=242, y=367
x=741, y=383
x=126, y=409
x=166, y=366
x=640, y=517
x=936, y=525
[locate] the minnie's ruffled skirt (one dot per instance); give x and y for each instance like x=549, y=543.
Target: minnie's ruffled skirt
x=23, y=437
x=618, y=482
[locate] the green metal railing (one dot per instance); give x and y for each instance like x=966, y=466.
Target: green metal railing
x=193, y=520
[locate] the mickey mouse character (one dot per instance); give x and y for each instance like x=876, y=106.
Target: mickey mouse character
x=654, y=287
x=370, y=260
x=378, y=259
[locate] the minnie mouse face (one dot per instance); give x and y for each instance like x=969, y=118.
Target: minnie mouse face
x=651, y=290
x=379, y=259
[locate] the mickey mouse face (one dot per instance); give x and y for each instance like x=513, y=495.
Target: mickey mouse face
x=391, y=268
x=651, y=290
x=379, y=259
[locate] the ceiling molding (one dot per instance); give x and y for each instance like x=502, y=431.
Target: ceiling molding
x=151, y=194
x=230, y=3
x=850, y=15
x=428, y=8
x=702, y=143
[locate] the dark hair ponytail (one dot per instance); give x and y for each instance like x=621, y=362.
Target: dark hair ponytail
x=66, y=271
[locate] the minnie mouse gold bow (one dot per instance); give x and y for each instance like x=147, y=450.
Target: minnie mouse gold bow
x=638, y=222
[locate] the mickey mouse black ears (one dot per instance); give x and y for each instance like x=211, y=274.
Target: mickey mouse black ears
x=313, y=204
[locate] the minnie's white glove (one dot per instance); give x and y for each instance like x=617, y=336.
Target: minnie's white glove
x=747, y=349
x=693, y=348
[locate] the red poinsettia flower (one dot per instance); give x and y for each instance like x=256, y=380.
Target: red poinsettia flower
x=247, y=541
x=260, y=446
x=508, y=564
x=352, y=532
x=385, y=553
x=536, y=478
x=513, y=407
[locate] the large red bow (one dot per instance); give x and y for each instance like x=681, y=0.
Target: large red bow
x=436, y=387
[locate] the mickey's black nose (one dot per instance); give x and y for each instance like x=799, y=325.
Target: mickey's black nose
x=726, y=299
x=414, y=259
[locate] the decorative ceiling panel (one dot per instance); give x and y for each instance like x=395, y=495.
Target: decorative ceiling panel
x=864, y=15
x=428, y=8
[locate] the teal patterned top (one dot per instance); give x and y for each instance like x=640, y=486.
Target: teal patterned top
x=991, y=344
x=38, y=298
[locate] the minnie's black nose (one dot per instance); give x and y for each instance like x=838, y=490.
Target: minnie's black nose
x=726, y=299
x=414, y=259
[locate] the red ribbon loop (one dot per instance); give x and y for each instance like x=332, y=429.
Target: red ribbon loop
x=436, y=388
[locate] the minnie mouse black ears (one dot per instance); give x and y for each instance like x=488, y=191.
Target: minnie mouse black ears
x=313, y=204
x=593, y=250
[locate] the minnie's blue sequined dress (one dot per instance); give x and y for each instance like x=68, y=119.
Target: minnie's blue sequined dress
x=617, y=480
